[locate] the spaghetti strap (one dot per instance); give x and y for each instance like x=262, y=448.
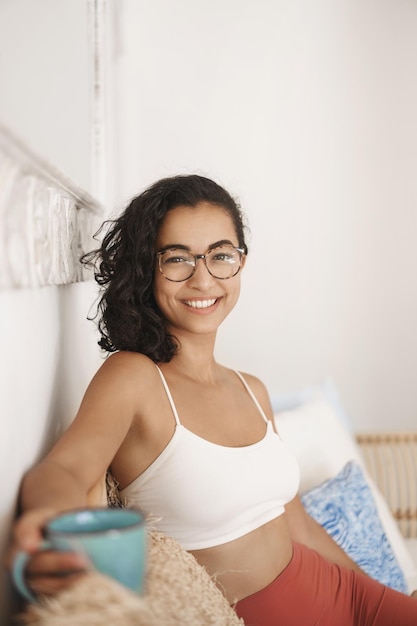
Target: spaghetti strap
x=171, y=401
x=245, y=384
x=252, y=395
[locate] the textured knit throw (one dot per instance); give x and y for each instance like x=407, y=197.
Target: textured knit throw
x=179, y=592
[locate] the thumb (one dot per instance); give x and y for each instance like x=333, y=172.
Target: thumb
x=27, y=531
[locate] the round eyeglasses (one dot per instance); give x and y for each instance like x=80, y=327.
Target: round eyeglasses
x=177, y=264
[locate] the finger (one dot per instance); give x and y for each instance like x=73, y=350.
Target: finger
x=48, y=585
x=56, y=563
x=27, y=533
x=27, y=530
x=48, y=571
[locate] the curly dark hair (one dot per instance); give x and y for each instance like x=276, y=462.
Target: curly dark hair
x=124, y=264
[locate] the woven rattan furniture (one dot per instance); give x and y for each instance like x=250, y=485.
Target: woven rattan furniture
x=391, y=459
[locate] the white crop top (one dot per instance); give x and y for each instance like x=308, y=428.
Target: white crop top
x=203, y=494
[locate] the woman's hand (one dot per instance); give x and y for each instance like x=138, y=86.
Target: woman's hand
x=414, y=594
x=47, y=571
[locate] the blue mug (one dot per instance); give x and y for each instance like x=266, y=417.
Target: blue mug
x=113, y=540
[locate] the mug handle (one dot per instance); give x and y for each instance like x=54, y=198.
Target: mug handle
x=18, y=571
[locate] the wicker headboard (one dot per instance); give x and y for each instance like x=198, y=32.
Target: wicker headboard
x=391, y=459
x=47, y=221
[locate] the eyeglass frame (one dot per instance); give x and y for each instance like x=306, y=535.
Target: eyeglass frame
x=158, y=255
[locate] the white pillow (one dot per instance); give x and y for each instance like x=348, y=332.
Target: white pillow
x=323, y=446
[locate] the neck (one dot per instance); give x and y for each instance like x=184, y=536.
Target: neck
x=195, y=358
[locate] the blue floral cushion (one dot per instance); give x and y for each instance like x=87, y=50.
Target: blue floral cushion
x=344, y=506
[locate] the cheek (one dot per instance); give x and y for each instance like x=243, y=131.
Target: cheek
x=163, y=291
x=236, y=291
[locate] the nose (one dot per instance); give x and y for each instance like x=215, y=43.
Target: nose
x=201, y=276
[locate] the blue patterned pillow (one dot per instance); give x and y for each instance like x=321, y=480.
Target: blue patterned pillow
x=344, y=506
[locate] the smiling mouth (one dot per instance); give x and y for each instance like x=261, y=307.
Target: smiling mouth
x=200, y=304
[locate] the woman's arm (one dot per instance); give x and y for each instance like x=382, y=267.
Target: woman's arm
x=75, y=465
x=304, y=529
x=80, y=458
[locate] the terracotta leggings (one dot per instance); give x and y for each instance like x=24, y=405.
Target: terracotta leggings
x=313, y=592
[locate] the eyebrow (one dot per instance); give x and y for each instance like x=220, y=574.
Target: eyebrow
x=180, y=246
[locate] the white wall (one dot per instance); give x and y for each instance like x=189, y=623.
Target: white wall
x=44, y=76
x=48, y=349
x=48, y=355
x=306, y=111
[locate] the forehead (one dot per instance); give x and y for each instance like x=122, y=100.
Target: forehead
x=196, y=227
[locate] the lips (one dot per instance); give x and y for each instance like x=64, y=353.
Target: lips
x=200, y=304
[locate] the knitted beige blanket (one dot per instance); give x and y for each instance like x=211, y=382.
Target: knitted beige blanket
x=179, y=592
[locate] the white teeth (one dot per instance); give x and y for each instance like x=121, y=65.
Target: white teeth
x=200, y=304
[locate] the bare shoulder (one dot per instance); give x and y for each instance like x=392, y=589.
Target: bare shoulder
x=255, y=383
x=124, y=359
x=124, y=380
x=260, y=391
x=127, y=367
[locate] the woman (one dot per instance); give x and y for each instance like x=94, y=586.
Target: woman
x=189, y=441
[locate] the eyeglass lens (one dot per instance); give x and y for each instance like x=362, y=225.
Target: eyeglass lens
x=178, y=265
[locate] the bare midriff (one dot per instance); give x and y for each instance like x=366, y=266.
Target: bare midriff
x=250, y=563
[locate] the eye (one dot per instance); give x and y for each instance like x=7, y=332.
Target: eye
x=224, y=255
x=176, y=257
